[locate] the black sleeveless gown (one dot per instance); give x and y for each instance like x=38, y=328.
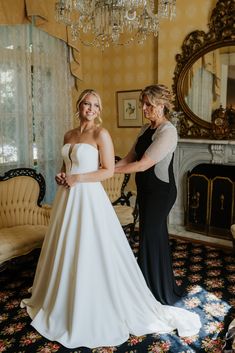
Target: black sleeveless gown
x=155, y=199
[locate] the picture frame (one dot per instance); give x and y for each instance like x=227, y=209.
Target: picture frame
x=129, y=111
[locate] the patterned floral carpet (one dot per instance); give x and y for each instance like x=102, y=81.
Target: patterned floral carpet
x=208, y=272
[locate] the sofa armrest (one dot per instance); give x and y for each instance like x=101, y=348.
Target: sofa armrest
x=233, y=230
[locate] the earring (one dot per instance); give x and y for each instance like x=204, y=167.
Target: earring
x=160, y=112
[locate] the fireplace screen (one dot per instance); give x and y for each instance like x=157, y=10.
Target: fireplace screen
x=210, y=199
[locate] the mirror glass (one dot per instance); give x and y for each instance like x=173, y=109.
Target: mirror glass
x=210, y=82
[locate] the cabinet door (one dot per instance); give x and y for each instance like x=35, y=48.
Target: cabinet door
x=197, y=204
x=222, y=199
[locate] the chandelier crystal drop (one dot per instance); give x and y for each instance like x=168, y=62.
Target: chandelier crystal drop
x=105, y=22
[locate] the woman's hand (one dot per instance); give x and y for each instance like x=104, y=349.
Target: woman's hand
x=60, y=178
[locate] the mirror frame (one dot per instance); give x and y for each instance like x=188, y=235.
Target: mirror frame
x=196, y=44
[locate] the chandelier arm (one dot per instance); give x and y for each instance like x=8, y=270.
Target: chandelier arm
x=108, y=21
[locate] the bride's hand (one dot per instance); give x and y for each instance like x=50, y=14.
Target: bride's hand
x=60, y=178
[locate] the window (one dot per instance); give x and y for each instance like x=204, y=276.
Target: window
x=35, y=96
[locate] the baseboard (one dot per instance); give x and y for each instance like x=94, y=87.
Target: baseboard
x=201, y=241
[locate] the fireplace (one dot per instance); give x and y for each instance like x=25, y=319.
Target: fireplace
x=210, y=199
x=191, y=153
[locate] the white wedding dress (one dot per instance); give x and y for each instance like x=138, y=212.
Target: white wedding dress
x=88, y=289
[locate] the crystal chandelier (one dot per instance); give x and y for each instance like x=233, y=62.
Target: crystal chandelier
x=105, y=22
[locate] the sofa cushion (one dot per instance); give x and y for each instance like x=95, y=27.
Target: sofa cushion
x=20, y=240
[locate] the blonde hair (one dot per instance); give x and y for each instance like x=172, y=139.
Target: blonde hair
x=81, y=98
x=159, y=94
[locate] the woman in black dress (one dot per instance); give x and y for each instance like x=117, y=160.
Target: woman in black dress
x=151, y=158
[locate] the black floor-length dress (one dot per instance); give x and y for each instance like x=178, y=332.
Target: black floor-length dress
x=156, y=198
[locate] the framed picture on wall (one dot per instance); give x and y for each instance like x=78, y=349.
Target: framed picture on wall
x=129, y=112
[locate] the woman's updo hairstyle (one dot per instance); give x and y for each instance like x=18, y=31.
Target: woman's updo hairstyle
x=82, y=97
x=159, y=94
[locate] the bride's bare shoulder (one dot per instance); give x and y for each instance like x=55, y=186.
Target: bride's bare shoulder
x=101, y=132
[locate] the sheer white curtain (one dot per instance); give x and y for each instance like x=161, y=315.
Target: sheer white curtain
x=36, y=91
x=51, y=103
x=15, y=98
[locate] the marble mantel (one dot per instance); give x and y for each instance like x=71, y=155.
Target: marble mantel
x=190, y=153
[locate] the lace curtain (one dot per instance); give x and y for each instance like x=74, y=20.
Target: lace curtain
x=15, y=107
x=35, y=94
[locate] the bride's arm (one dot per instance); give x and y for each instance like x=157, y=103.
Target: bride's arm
x=60, y=177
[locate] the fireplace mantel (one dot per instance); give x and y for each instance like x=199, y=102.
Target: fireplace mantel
x=189, y=153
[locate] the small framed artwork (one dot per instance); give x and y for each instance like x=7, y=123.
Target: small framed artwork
x=129, y=112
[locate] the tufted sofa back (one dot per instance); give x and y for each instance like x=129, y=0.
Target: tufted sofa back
x=113, y=186
x=18, y=202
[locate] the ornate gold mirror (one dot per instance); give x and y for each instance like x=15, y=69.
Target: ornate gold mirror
x=204, y=78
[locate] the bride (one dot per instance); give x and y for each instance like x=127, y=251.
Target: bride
x=88, y=289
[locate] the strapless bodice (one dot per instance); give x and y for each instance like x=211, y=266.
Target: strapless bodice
x=80, y=158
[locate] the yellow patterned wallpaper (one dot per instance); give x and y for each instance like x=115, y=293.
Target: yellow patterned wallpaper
x=135, y=66
x=191, y=15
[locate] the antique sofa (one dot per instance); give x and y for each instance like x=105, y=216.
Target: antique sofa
x=23, y=220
